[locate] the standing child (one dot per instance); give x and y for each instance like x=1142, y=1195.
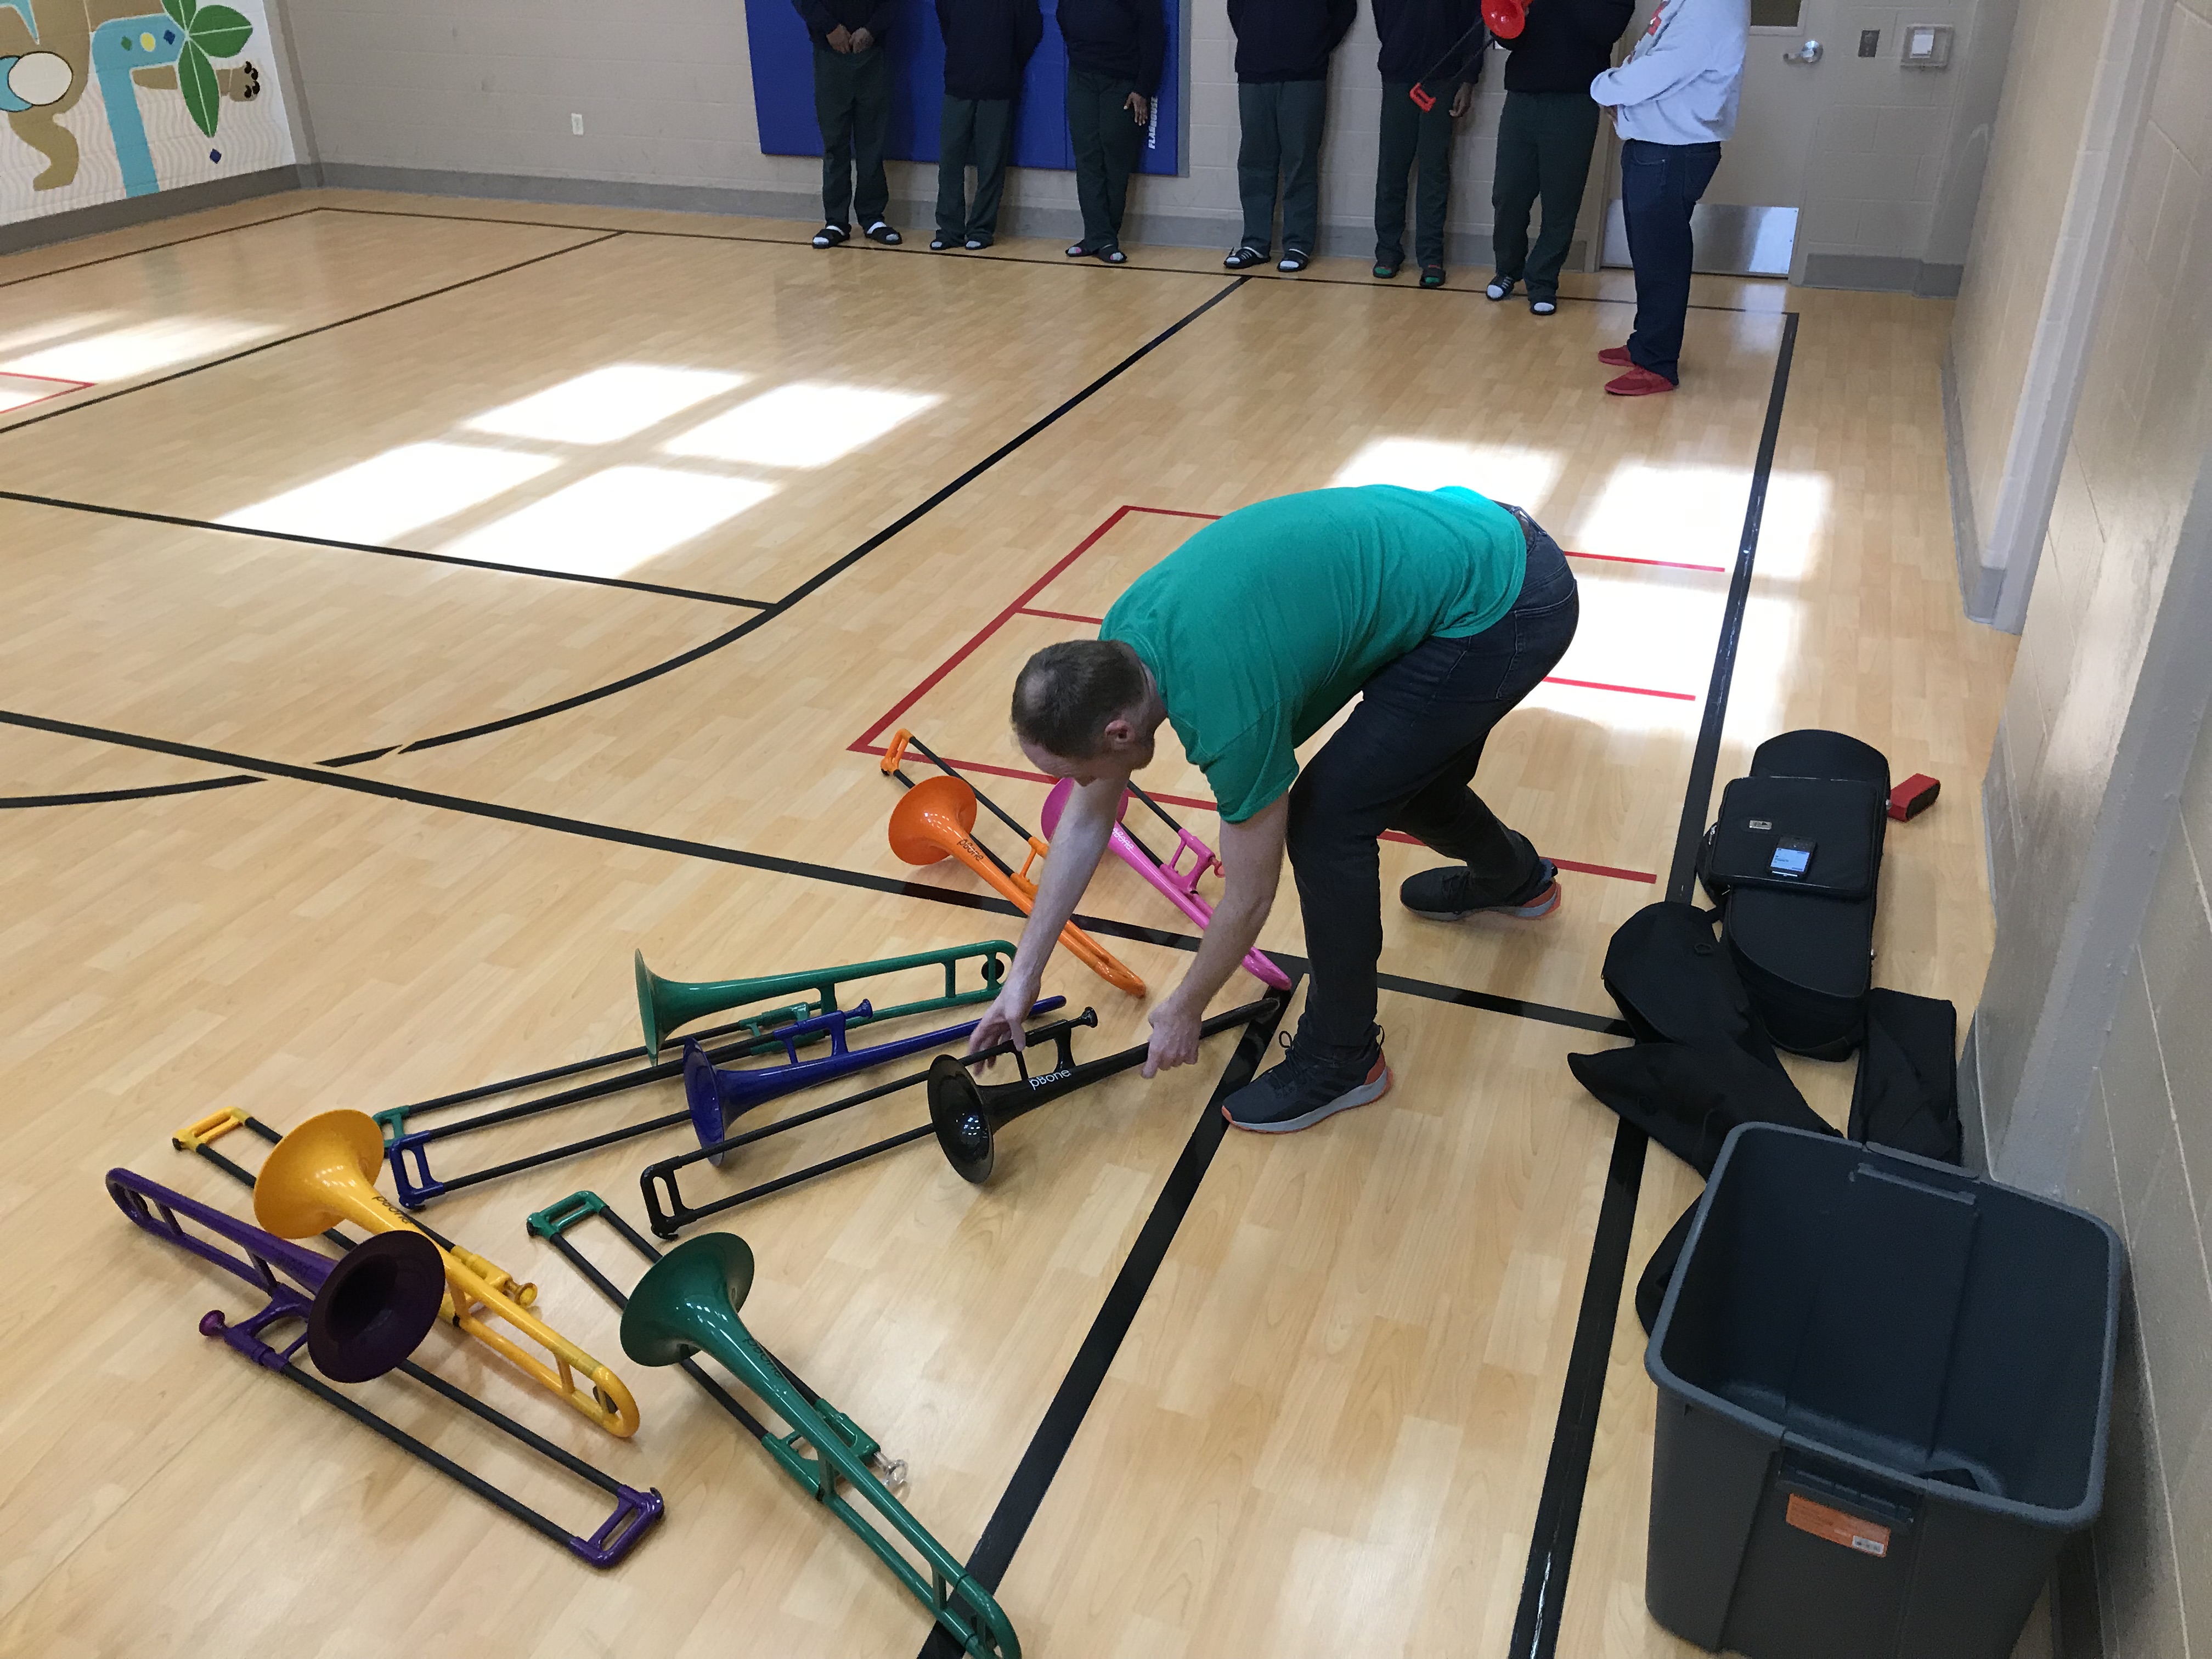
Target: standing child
x=986, y=42
x=1544, y=137
x=1437, y=44
x=1116, y=52
x=1283, y=49
x=852, y=103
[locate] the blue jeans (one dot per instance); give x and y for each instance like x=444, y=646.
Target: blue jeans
x=1402, y=761
x=1659, y=185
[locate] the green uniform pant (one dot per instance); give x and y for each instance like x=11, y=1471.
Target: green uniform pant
x=981, y=130
x=1412, y=138
x=1281, y=122
x=1544, y=144
x=852, y=102
x=1107, y=140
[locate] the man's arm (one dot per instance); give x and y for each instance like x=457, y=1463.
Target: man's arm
x=1086, y=827
x=1677, y=57
x=1252, y=865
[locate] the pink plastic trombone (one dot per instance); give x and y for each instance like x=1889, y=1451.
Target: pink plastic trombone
x=1179, y=886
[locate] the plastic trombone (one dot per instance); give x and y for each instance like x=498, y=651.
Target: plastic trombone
x=665, y=1004
x=709, y=1095
x=967, y=1116
x=666, y=1213
x=688, y=1303
x=369, y=1304
x=934, y=821
x=552, y=1223
x=325, y=1171
x=714, y=1096
x=1177, y=885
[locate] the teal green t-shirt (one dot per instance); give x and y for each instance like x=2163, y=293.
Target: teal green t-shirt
x=1266, y=622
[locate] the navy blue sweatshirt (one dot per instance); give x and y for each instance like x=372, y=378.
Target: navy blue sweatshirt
x=1288, y=39
x=1565, y=43
x=1125, y=40
x=1437, y=42
x=823, y=15
x=986, y=42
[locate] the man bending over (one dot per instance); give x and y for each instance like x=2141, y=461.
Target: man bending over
x=1440, y=611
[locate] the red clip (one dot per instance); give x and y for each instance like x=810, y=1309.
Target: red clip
x=1423, y=97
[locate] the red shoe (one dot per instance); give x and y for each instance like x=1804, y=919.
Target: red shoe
x=1617, y=355
x=1639, y=383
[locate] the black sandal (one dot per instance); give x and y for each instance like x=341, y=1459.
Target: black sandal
x=939, y=242
x=1294, y=260
x=1245, y=258
x=881, y=232
x=832, y=235
x=1112, y=254
x=1432, y=275
x=1385, y=268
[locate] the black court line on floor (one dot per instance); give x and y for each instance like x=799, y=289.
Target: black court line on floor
x=1566, y=1472
x=685, y=847
x=153, y=247
x=993, y=256
x=304, y=334
x=837, y=566
x=90, y=797
x=142, y=517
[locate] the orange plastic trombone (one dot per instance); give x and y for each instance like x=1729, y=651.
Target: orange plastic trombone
x=931, y=823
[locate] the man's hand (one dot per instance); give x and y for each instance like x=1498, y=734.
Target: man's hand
x=1175, y=1037
x=862, y=39
x=1138, y=107
x=839, y=40
x=1003, y=1024
x=1464, y=99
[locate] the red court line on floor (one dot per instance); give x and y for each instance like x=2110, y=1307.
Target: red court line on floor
x=1663, y=564
x=1635, y=690
x=1060, y=615
x=67, y=386
x=866, y=743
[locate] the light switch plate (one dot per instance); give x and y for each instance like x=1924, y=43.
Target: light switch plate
x=1927, y=45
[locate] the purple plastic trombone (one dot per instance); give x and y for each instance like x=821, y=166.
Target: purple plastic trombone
x=1179, y=886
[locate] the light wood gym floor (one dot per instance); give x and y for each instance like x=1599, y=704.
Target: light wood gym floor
x=364, y=828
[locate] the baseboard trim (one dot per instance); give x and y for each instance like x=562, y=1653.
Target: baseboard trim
x=1870, y=273
x=73, y=223
x=1053, y=220
x=1980, y=585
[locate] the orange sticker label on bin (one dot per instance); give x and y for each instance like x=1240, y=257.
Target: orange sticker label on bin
x=1837, y=1527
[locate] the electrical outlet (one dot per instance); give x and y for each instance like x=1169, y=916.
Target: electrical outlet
x=576, y=125
x=1869, y=42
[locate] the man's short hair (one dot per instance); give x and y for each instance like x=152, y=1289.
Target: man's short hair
x=1066, y=695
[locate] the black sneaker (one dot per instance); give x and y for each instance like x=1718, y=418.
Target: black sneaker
x=1447, y=894
x=1301, y=1090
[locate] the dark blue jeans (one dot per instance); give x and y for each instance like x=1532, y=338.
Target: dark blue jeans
x=1402, y=761
x=1659, y=185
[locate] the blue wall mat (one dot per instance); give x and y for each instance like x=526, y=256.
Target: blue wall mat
x=783, y=89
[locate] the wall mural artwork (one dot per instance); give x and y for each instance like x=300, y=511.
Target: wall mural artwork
x=107, y=99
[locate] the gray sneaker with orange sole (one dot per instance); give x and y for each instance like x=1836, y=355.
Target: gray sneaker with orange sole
x=1448, y=894
x=1304, y=1088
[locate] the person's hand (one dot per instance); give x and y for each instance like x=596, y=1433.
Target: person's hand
x=1175, y=1037
x=839, y=40
x=1464, y=99
x=1142, y=111
x=1003, y=1024
x=861, y=39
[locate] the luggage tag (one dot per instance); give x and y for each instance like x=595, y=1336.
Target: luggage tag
x=1793, y=855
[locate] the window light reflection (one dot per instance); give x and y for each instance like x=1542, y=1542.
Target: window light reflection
x=603, y=405
x=378, y=499
x=54, y=328
x=609, y=524
x=1504, y=473
x=802, y=424
x=140, y=348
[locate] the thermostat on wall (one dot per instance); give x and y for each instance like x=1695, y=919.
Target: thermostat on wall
x=1927, y=45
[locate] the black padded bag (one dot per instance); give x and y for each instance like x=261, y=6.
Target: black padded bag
x=1907, y=1091
x=1805, y=954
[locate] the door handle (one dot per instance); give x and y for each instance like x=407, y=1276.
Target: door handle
x=1808, y=53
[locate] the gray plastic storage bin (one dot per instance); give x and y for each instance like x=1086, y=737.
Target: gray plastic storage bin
x=1883, y=1390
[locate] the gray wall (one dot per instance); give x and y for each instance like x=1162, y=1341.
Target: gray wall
x=2093, y=1043
x=436, y=94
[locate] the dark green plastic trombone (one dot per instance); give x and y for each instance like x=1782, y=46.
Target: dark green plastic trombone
x=688, y=1301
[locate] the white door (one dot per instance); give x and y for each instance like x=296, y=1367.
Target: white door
x=1747, y=224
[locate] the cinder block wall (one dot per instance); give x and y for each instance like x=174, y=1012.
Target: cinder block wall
x=2094, y=1038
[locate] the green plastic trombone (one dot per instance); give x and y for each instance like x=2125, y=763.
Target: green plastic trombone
x=665, y=1004
x=688, y=1301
